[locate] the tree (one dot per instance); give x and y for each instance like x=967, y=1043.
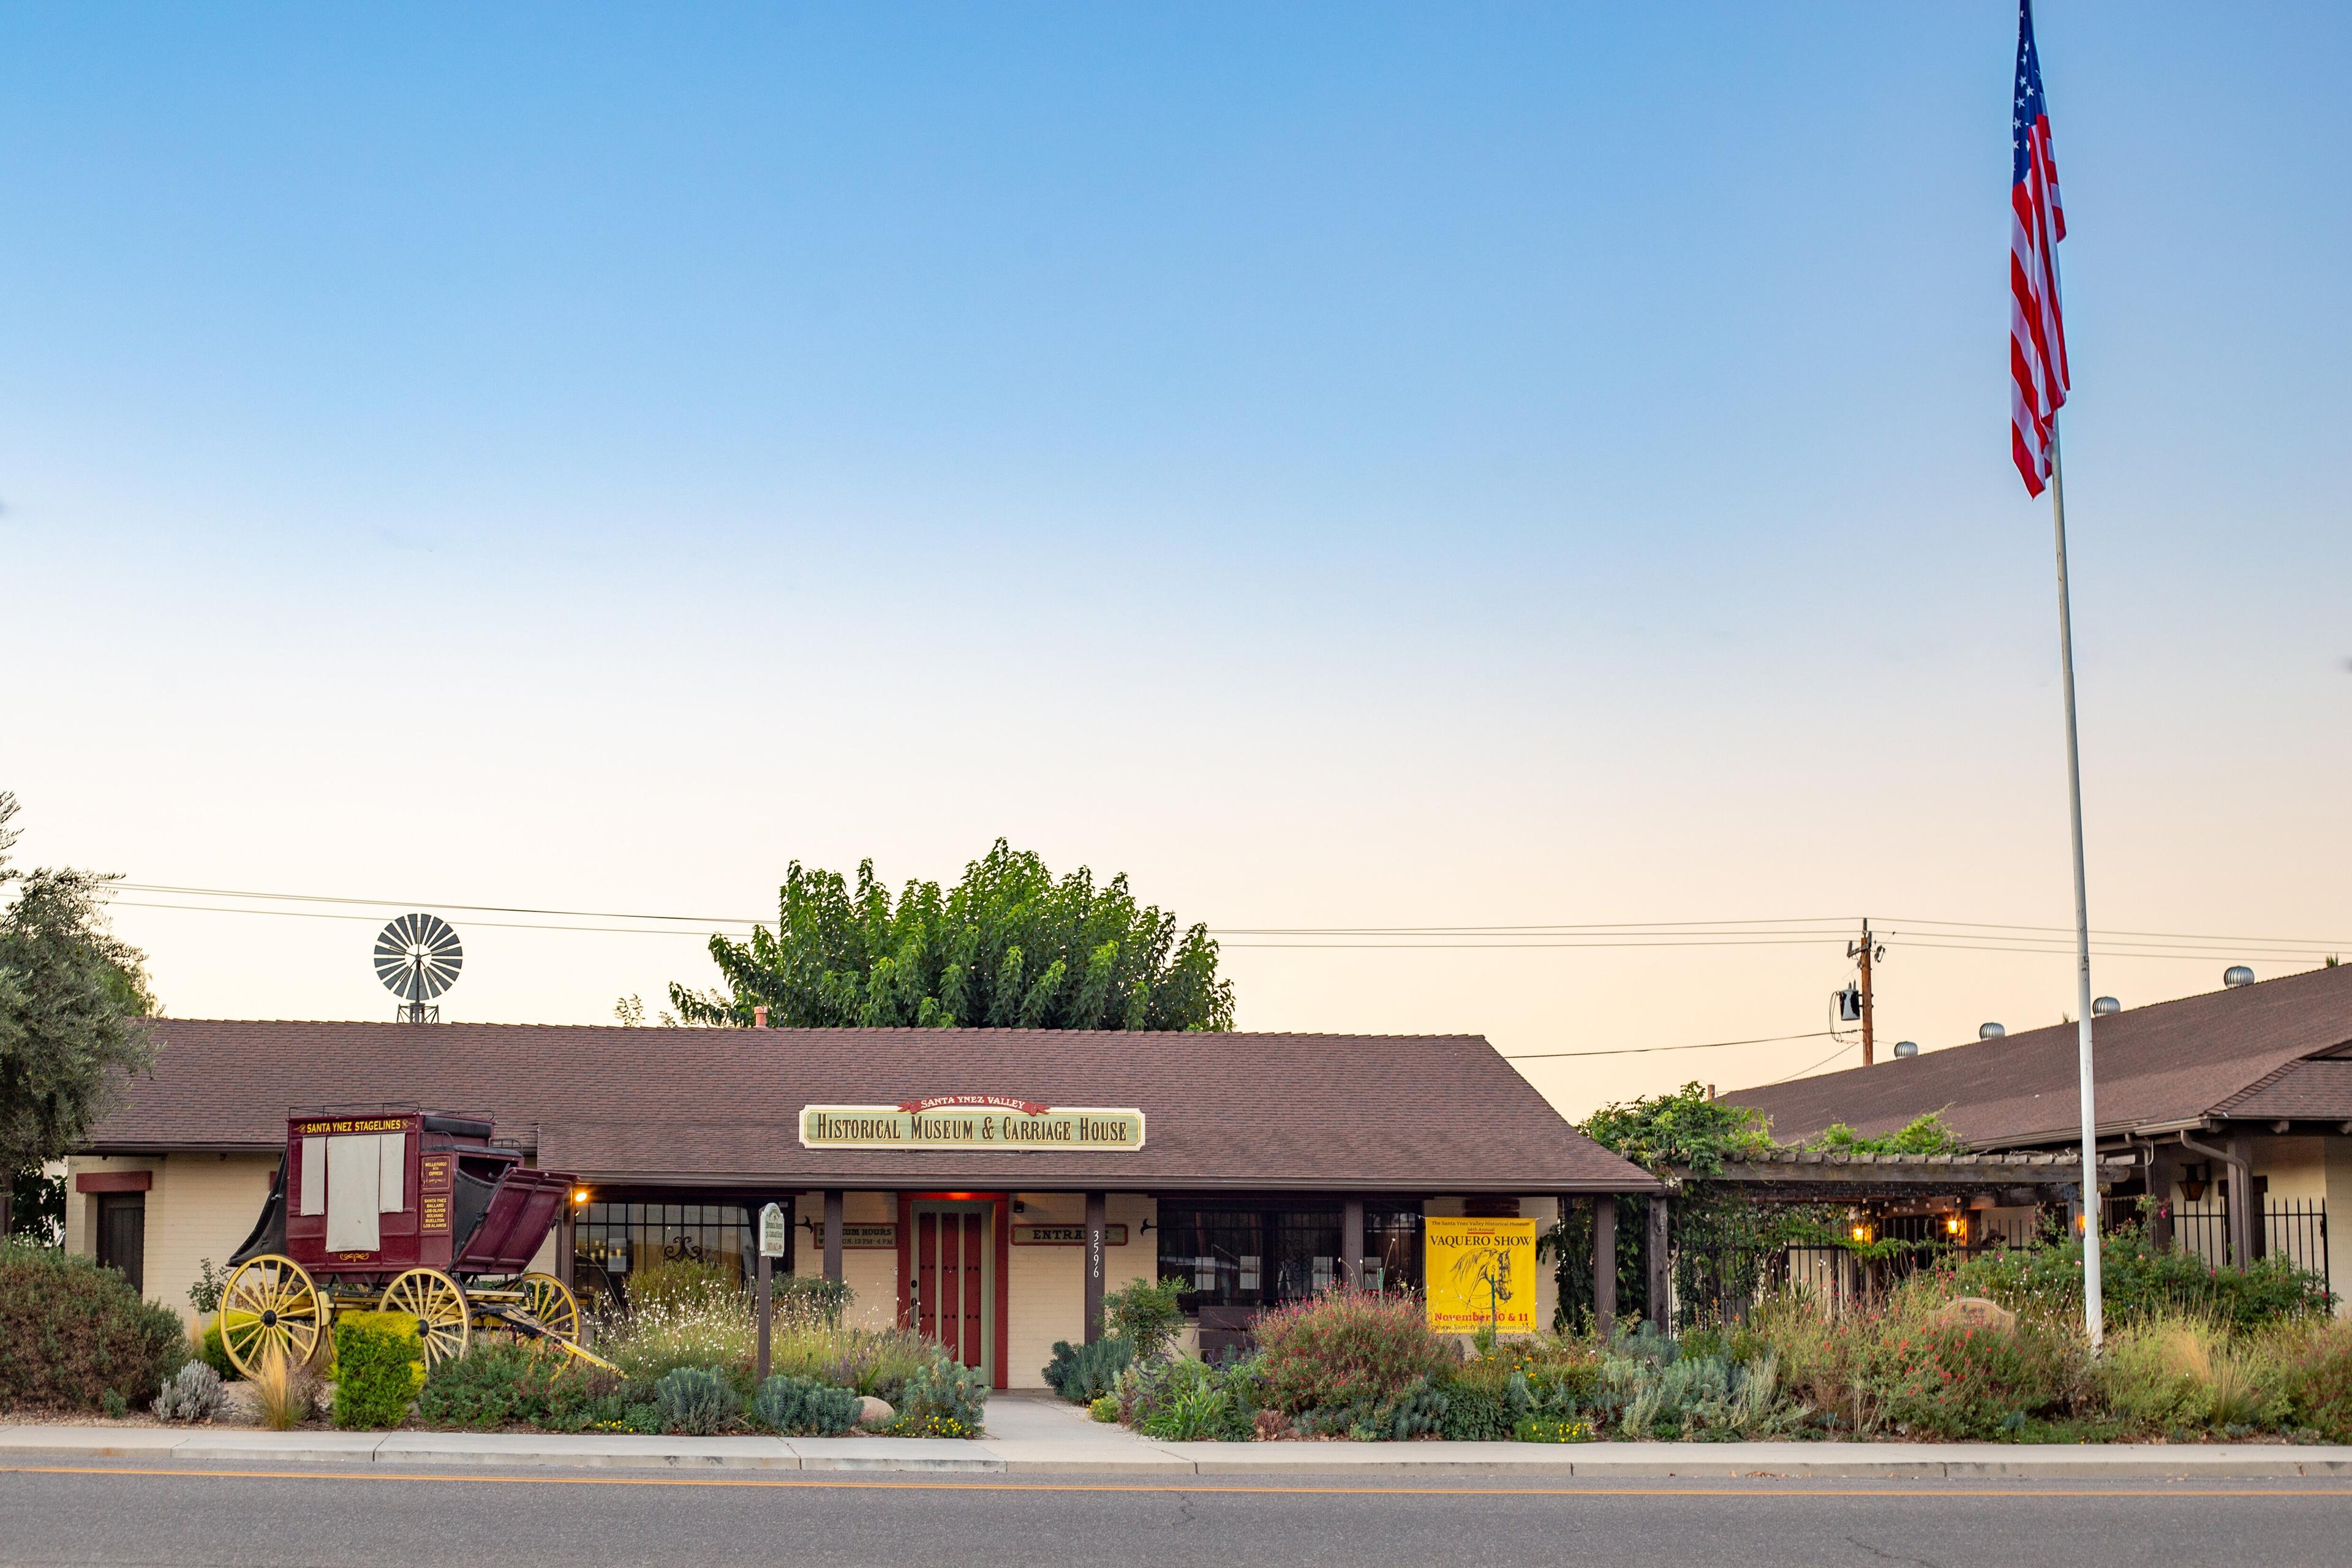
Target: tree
x=1007, y=946
x=73, y=1001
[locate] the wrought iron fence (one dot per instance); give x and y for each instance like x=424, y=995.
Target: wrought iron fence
x=2296, y=1229
x=2293, y=1228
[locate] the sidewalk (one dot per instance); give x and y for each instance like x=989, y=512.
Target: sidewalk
x=1040, y=1437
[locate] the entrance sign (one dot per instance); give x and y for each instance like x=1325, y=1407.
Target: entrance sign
x=1480, y=1273
x=1066, y=1234
x=773, y=1232
x=967, y=1122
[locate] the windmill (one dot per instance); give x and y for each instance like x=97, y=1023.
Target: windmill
x=418, y=958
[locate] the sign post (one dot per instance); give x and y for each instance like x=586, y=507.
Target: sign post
x=773, y=1233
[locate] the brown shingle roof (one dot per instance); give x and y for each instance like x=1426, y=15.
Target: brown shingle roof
x=1417, y=1113
x=2167, y=1064
x=2300, y=1091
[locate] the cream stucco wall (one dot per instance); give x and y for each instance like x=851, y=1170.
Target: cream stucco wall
x=871, y=1273
x=200, y=1206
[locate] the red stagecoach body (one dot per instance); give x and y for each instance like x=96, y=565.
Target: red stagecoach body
x=376, y=1192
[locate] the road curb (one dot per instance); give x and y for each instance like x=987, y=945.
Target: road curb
x=1138, y=1459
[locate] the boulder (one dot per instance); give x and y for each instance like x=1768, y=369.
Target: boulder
x=873, y=1411
x=1974, y=1312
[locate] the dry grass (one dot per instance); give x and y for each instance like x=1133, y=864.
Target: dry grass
x=287, y=1393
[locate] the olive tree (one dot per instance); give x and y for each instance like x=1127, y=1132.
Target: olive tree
x=73, y=1005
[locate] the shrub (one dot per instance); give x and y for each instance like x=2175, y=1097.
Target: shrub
x=1552, y=1430
x=1893, y=1364
x=2183, y=1374
x=206, y=1293
x=684, y=1286
x=73, y=1335
x=1416, y=1410
x=1082, y=1373
x=2138, y=1282
x=213, y=1355
x=940, y=1395
x=811, y=1298
x=799, y=1408
x=872, y=1361
x=1347, y=1350
x=1104, y=1409
x=192, y=1394
x=1147, y=1316
x=2315, y=1365
x=594, y=1400
x=379, y=1368
x=710, y=1331
x=493, y=1384
x=1180, y=1400
x=1696, y=1398
x=287, y=1392
x=694, y=1402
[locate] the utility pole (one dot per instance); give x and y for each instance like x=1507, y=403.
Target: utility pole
x=1864, y=950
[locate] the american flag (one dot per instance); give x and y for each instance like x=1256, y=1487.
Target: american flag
x=2037, y=328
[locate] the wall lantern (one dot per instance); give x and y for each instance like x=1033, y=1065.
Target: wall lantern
x=1862, y=1234
x=579, y=1196
x=2192, y=1181
x=1954, y=1224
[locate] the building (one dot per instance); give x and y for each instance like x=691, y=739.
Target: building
x=1262, y=1167
x=2235, y=1107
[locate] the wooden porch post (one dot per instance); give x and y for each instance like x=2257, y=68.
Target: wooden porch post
x=1098, y=1241
x=833, y=1232
x=1351, y=1243
x=1661, y=1273
x=1604, y=1262
x=2243, y=1206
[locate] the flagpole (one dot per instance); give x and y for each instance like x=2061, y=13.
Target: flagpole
x=2094, y=1297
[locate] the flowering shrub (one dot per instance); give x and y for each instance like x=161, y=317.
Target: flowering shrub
x=1347, y=1350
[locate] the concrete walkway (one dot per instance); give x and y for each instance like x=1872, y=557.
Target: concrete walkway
x=1044, y=1436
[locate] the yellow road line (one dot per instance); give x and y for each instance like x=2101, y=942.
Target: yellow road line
x=844, y=1483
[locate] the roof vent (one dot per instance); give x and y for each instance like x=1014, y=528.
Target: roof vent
x=2237, y=974
x=1906, y=1048
x=1990, y=1031
x=2105, y=1005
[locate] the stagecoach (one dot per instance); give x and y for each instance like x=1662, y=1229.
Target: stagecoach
x=399, y=1211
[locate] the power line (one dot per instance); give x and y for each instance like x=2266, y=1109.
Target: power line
x=1803, y=1072
x=1977, y=936
x=1645, y=1051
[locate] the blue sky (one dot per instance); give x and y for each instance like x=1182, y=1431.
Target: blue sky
x=1338, y=464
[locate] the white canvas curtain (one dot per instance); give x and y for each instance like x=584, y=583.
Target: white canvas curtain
x=365, y=1176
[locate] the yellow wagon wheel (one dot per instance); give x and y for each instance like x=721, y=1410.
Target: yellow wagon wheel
x=551, y=1300
x=438, y=1305
x=268, y=1307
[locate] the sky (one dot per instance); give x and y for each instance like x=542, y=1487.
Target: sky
x=1368, y=466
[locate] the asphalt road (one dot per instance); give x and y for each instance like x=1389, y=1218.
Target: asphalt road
x=95, y=1512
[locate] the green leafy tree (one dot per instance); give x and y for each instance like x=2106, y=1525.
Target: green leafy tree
x=1009, y=945
x=1922, y=1135
x=73, y=1001
x=1685, y=1128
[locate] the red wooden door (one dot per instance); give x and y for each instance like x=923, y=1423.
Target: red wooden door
x=950, y=1282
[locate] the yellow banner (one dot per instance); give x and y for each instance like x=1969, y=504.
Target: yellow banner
x=1480, y=1272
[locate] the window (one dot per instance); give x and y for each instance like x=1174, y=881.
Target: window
x=612, y=1241
x=1392, y=1246
x=1249, y=1254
